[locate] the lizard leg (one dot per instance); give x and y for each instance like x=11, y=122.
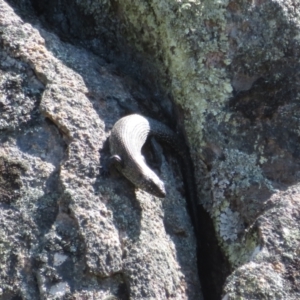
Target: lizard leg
x=115, y=161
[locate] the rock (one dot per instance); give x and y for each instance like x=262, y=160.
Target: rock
x=77, y=233
x=225, y=74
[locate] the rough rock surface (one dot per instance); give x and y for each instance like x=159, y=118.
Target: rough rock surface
x=226, y=71
x=67, y=232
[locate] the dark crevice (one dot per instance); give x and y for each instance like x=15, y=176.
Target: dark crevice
x=213, y=266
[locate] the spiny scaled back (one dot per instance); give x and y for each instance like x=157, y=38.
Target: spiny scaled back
x=127, y=138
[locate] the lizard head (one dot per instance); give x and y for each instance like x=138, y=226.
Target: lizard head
x=153, y=185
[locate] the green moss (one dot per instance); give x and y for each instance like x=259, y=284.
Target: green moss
x=188, y=41
x=231, y=180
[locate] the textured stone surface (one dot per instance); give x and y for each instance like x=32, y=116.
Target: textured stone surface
x=232, y=70
x=66, y=231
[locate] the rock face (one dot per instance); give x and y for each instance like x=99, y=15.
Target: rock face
x=66, y=231
x=225, y=74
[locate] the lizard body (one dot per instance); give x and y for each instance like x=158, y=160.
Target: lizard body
x=127, y=138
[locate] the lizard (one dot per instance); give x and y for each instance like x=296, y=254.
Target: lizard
x=127, y=138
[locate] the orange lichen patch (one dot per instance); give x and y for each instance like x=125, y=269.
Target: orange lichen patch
x=214, y=59
x=295, y=198
x=233, y=6
x=278, y=267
